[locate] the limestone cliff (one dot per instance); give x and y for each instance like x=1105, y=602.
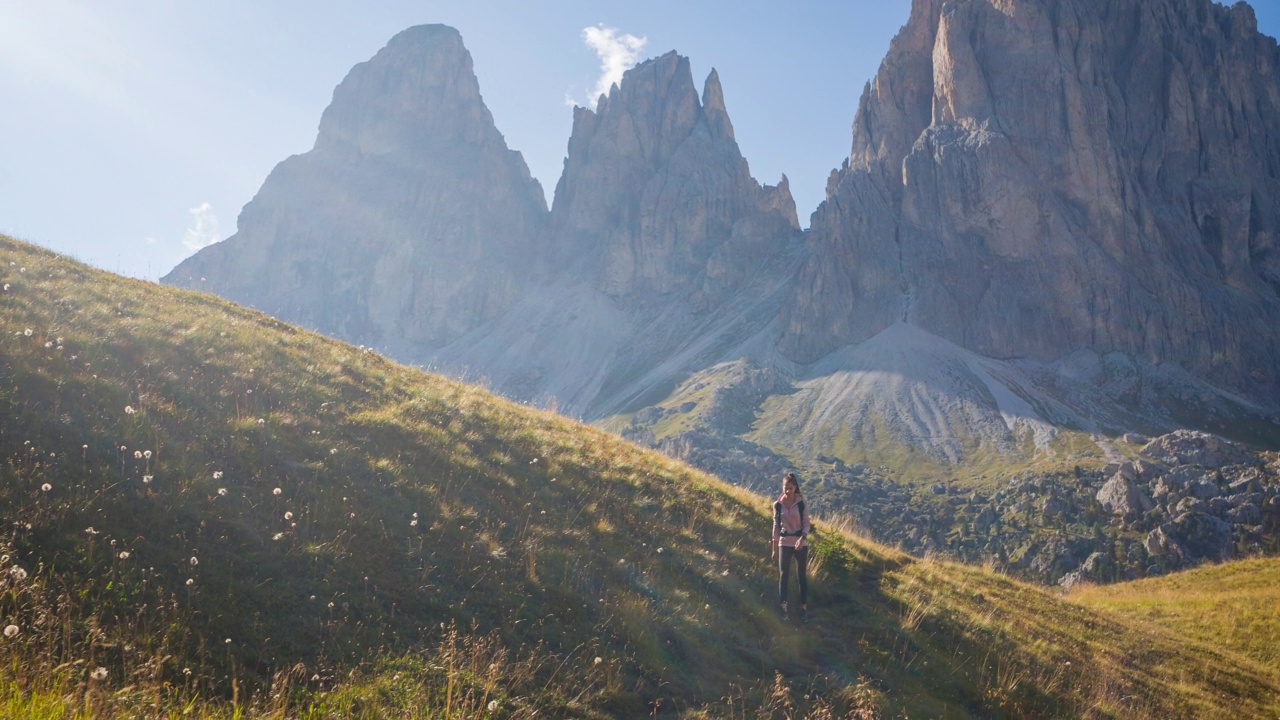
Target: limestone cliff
x=1032, y=179
x=384, y=233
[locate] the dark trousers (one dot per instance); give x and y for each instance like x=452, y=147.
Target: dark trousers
x=802, y=571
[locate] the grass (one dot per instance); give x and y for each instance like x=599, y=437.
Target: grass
x=234, y=518
x=1231, y=606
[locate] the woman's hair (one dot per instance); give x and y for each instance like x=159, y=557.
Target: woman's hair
x=791, y=478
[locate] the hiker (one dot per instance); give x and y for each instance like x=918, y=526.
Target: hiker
x=790, y=526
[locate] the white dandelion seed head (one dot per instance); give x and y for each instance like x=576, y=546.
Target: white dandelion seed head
x=17, y=573
x=137, y=454
x=415, y=514
x=146, y=479
x=353, y=515
x=262, y=421
x=46, y=487
x=90, y=531
x=123, y=448
x=288, y=516
x=146, y=454
x=194, y=561
x=493, y=705
x=6, y=287
x=49, y=344
x=11, y=631
x=84, y=447
x=59, y=341
x=330, y=604
x=227, y=641
x=99, y=674
x=315, y=678
x=413, y=523
x=217, y=474
x=186, y=671
x=190, y=582
x=277, y=536
x=598, y=661
x=124, y=554
x=27, y=332
x=222, y=492
x=333, y=451
x=659, y=551
x=128, y=410
x=276, y=491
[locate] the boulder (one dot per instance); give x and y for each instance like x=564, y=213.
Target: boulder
x=1121, y=496
x=1191, y=538
x=1096, y=567
x=1192, y=447
x=1247, y=514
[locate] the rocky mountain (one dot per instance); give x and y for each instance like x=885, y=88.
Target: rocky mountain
x=1059, y=222
x=1030, y=179
x=383, y=233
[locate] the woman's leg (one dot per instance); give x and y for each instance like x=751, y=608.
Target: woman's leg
x=784, y=571
x=802, y=574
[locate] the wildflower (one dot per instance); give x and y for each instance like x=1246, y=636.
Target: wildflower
x=6, y=287
x=46, y=487
x=315, y=678
x=59, y=341
x=493, y=705
x=333, y=451
x=598, y=661
x=146, y=454
x=277, y=536
x=275, y=491
x=288, y=516
x=249, y=391
x=222, y=492
x=190, y=582
x=99, y=674
x=18, y=573
x=128, y=410
x=186, y=671
x=330, y=604
x=27, y=332
x=262, y=421
x=217, y=474
x=49, y=344
x=124, y=554
x=90, y=531
x=194, y=561
x=146, y=479
x=123, y=448
x=659, y=551
x=724, y=574
x=413, y=523
x=11, y=631
x=415, y=514
x=137, y=454
x=353, y=515
x=228, y=641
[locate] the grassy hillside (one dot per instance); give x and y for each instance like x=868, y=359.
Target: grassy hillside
x=208, y=511
x=1232, y=605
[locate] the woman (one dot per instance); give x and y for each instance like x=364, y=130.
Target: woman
x=790, y=526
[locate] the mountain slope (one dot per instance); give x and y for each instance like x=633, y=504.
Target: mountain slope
x=370, y=507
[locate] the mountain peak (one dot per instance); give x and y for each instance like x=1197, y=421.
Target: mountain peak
x=713, y=106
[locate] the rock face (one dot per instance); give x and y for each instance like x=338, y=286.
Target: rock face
x=1028, y=179
x=383, y=233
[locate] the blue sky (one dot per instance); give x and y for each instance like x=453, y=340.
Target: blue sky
x=135, y=130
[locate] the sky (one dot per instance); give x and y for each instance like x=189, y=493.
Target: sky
x=132, y=132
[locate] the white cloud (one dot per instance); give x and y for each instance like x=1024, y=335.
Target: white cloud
x=204, y=230
x=618, y=52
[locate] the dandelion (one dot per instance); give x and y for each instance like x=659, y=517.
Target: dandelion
x=11, y=631
x=128, y=410
x=46, y=487
x=415, y=514
x=99, y=674
x=190, y=582
x=413, y=523
x=194, y=561
x=249, y=391
x=598, y=661
x=288, y=516
x=333, y=451
x=262, y=421
x=27, y=332
x=222, y=492
x=724, y=574
x=217, y=474
x=146, y=454
x=124, y=554
x=276, y=491
x=137, y=454
x=59, y=341
x=122, y=447
x=90, y=531
x=659, y=551
x=146, y=479
x=330, y=604
x=315, y=678
x=18, y=573
x=228, y=641
x=6, y=287
x=493, y=705
x=49, y=344
x=186, y=671
x=277, y=536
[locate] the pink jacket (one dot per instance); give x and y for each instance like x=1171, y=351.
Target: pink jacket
x=790, y=523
